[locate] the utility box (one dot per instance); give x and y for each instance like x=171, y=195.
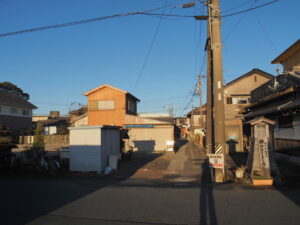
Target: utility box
x=91, y=146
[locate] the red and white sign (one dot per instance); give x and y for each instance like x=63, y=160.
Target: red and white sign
x=216, y=161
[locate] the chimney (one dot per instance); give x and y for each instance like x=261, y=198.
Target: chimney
x=54, y=114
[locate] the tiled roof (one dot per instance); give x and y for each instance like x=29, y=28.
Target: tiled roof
x=14, y=100
x=277, y=85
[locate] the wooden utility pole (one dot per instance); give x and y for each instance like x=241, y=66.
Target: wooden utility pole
x=215, y=54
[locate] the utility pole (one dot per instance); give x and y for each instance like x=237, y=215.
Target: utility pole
x=170, y=110
x=214, y=26
x=199, y=91
x=209, y=92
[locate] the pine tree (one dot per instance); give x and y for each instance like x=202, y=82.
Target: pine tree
x=38, y=142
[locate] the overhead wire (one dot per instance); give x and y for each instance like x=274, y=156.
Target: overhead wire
x=145, y=12
x=250, y=9
x=237, y=6
x=237, y=23
x=73, y=23
x=268, y=37
x=149, y=49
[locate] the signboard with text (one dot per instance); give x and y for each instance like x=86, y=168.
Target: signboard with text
x=216, y=161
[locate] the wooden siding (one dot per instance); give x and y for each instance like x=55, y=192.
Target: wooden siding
x=107, y=117
x=282, y=144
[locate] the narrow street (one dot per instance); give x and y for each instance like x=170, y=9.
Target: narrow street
x=149, y=189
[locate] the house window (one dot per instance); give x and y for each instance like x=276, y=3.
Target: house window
x=131, y=106
x=285, y=121
x=255, y=79
x=240, y=100
x=13, y=111
x=229, y=100
x=25, y=112
x=102, y=105
x=93, y=105
x=106, y=105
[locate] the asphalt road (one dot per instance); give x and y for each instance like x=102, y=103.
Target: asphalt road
x=94, y=201
x=118, y=200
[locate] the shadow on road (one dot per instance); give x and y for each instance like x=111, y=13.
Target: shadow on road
x=27, y=198
x=290, y=177
x=179, y=143
x=207, y=202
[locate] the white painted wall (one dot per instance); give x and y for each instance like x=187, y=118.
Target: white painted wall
x=90, y=147
x=6, y=110
x=289, y=133
x=51, y=130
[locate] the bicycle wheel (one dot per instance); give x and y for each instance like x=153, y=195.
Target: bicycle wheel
x=53, y=167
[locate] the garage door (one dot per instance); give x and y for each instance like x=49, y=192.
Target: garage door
x=150, y=139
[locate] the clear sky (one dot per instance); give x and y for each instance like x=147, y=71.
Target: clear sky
x=56, y=66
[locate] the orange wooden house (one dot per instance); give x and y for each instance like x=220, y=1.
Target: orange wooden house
x=108, y=105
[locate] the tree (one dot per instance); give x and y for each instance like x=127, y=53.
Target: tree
x=11, y=88
x=5, y=135
x=38, y=142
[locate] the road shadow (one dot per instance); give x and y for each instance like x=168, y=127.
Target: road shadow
x=179, y=143
x=239, y=158
x=25, y=198
x=207, y=202
x=290, y=181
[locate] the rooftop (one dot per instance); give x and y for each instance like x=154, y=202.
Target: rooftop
x=287, y=53
x=112, y=87
x=15, y=100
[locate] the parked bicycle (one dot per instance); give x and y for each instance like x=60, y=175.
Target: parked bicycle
x=47, y=164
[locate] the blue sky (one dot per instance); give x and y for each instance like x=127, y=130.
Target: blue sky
x=56, y=66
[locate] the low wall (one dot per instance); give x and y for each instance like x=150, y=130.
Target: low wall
x=52, y=142
x=56, y=142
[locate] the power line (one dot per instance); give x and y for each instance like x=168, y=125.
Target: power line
x=228, y=15
x=149, y=50
x=237, y=6
x=73, y=23
x=238, y=23
x=250, y=9
x=266, y=33
x=118, y=15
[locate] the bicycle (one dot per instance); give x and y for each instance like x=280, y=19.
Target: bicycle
x=46, y=164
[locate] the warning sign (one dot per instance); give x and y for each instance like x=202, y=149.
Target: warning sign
x=216, y=160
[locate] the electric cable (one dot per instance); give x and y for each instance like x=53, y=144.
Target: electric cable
x=73, y=23
x=149, y=50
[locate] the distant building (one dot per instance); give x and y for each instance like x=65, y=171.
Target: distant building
x=15, y=112
x=279, y=100
x=79, y=117
x=51, y=122
x=108, y=105
x=237, y=94
x=196, y=120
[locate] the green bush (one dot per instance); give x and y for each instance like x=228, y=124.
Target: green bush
x=38, y=142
